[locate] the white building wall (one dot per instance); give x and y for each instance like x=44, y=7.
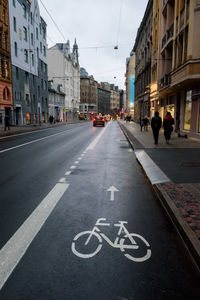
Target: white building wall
x=18, y=36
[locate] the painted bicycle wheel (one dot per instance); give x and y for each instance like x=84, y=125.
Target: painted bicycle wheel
x=83, y=250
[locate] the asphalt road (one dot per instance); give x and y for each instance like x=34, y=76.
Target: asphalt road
x=64, y=193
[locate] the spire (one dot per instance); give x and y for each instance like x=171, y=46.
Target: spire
x=75, y=52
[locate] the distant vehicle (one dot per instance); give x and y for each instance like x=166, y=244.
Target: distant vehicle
x=99, y=120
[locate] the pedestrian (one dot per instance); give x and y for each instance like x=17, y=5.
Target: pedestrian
x=145, y=123
x=51, y=120
x=141, y=123
x=168, y=126
x=156, y=124
x=6, y=122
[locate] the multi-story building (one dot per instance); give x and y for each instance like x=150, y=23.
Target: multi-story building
x=29, y=62
x=142, y=49
x=6, y=103
x=104, y=98
x=130, y=85
x=56, y=101
x=177, y=86
x=114, y=99
x=63, y=69
x=88, y=94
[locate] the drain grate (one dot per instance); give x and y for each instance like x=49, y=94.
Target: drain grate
x=190, y=164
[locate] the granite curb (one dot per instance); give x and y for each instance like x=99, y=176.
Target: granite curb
x=186, y=233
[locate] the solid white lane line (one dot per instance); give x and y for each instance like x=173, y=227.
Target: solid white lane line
x=24, y=133
x=35, y=141
x=68, y=173
x=16, y=247
x=73, y=167
x=93, y=144
x=154, y=173
x=76, y=162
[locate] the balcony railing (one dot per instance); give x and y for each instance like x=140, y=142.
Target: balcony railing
x=165, y=81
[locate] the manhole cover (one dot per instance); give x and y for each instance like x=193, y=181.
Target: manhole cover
x=190, y=164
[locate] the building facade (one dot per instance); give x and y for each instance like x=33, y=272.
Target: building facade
x=143, y=50
x=6, y=103
x=104, y=95
x=88, y=95
x=64, y=69
x=29, y=62
x=56, y=101
x=176, y=84
x=114, y=100
x=130, y=85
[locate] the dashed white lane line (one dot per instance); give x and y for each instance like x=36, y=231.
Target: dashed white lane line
x=68, y=173
x=73, y=167
x=16, y=247
x=82, y=155
x=79, y=158
x=77, y=162
x=62, y=180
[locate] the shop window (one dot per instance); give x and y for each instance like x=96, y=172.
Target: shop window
x=188, y=110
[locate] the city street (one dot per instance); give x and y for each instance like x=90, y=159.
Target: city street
x=80, y=221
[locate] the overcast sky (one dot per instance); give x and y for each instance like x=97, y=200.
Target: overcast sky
x=101, y=24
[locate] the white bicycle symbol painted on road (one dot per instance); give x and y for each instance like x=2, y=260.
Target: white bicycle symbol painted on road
x=126, y=242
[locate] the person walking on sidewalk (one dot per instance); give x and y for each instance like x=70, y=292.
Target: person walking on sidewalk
x=156, y=123
x=6, y=122
x=141, y=123
x=146, y=123
x=168, y=126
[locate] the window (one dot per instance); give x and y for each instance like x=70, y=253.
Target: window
x=188, y=110
x=26, y=77
x=2, y=68
x=4, y=15
x=1, y=38
x=6, y=41
x=33, y=62
x=5, y=94
x=44, y=50
x=37, y=53
x=32, y=39
x=45, y=68
x=25, y=33
x=16, y=52
x=14, y=3
x=40, y=28
x=7, y=69
x=45, y=85
x=40, y=47
x=44, y=33
x=17, y=73
x=24, y=10
x=42, y=83
x=36, y=33
x=27, y=99
x=33, y=80
x=25, y=55
x=14, y=24
x=31, y=18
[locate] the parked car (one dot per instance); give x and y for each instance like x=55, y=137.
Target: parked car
x=99, y=120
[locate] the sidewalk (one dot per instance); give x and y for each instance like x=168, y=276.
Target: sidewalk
x=26, y=128
x=174, y=172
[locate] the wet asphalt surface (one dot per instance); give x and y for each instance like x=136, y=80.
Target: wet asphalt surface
x=50, y=268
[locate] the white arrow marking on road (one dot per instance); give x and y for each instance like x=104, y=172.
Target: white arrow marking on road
x=112, y=189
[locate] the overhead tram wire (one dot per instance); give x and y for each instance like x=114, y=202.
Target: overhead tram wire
x=119, y=24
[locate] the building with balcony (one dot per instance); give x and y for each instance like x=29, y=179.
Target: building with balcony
x=143, y=51
x=175, y=84
x=28, y=39
x=6, y=102
x=88, y=95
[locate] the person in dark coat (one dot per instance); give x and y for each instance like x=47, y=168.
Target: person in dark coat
x=141, y=123
x=146, y=123
x=168, y=126
x=7, y=123
x=156, y=123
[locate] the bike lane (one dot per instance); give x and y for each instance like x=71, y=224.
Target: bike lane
x=51, y=269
